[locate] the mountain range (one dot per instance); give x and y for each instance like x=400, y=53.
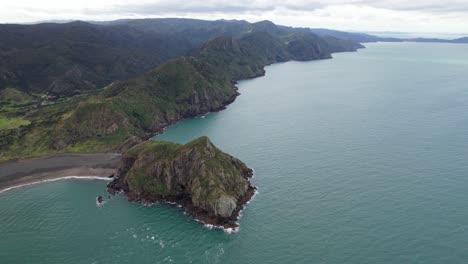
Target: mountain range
x=367, y=38
x=69, y=58
x=99, y=87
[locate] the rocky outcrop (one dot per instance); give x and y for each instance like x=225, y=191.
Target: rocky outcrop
x=210, y=184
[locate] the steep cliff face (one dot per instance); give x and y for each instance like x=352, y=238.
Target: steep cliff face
x=211, y=185
x=176, y=90
x=185, y=87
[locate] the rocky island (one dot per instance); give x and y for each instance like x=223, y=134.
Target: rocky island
x=211, y=185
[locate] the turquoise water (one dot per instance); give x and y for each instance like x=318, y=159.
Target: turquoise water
x=359, y=159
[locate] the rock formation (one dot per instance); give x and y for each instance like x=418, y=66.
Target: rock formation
x=210, y=184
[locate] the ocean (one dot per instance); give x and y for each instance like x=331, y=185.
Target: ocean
x=359, y=159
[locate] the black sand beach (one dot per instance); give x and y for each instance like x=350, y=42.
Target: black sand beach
x=25, y=171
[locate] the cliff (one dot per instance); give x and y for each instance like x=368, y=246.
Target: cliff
x=127, y=112
x=210, y=184
x=182, y=88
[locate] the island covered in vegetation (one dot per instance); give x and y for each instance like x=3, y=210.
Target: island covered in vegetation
x=211, y=185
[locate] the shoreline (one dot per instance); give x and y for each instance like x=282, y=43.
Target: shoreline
x=234, y=82
x=25, y=172
x=7, y=188
x=161, y=129
x=228, y=224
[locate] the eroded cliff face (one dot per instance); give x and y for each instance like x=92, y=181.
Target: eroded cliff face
x=212, y=185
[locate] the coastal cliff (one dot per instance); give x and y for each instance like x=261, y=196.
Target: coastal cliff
x=211, y=185
x=124, y=113
x=181, y=88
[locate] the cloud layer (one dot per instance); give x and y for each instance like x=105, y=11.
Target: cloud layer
x=424, y=16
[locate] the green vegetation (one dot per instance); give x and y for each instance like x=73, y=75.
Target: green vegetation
x=71, y=58
x=28, y=131
x=160, y=149
x=214, y=180
x=106, y=120
x=15, y=101
x=10, y=123
x=14, y=95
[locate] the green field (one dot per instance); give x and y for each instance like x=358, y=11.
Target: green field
x=10, y=123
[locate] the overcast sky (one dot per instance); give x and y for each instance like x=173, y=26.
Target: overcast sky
x=449, y=16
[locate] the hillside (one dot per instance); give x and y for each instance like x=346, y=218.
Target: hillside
x=184, y=87
x=366, y=38
x=71, y=58
x=126, y=112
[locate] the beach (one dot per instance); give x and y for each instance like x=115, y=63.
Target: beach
x=29, y=171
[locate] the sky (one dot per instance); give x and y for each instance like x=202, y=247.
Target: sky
x=419, y=16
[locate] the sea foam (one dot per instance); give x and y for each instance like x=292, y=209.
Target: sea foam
x=55, y=179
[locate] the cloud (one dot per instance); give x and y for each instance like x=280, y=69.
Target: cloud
x=423, y=5
x=243, y=5
x=204, y=6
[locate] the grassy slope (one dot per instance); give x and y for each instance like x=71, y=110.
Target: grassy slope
x=14, y=95
x=34, y=126
x=11, y=123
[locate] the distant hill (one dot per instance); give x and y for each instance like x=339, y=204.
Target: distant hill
x=461, y=40
x=358, y=37
x=69, y=58
x=366, y=38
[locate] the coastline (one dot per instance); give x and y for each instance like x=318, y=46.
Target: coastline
x=51, y=179
x=234, y=82
x=228, y=224
x=25, y=172
x=159, y=129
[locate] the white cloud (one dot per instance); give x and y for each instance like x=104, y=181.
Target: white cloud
x=449, y=16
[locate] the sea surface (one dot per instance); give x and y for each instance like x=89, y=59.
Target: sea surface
x=358, y=159
x=405, y=35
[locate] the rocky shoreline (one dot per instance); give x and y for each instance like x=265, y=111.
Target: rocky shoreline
x=213, y=187
x=195, y=212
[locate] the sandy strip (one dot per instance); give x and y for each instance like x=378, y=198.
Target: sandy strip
x=18, y=185
x=18, y=173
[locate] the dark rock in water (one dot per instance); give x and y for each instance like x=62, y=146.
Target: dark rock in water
x=210, y=184
x=99, y=200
